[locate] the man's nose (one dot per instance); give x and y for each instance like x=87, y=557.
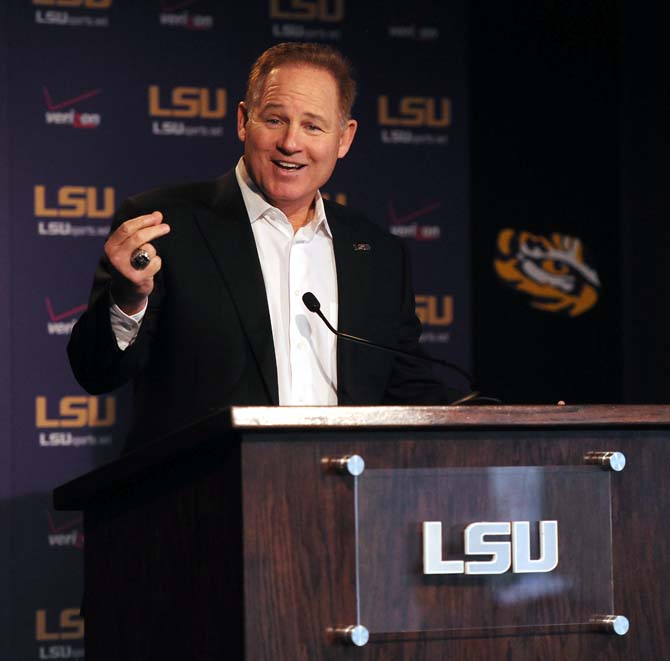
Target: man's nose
x=289, y=140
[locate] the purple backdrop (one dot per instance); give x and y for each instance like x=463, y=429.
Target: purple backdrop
x=92, y=119
x=5, y=446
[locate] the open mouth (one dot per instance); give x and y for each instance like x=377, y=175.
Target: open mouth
x=289, y=167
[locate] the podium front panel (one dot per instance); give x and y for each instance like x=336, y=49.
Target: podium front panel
x=483, y=548
x=301, y=586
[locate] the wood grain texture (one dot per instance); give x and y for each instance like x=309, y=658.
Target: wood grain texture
x=299, y=615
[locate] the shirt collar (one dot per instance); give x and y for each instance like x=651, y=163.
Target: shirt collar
x=258, y=207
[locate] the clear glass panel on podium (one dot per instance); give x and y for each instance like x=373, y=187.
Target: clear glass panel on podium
x=396, y=596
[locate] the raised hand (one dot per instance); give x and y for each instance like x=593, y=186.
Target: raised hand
x=131, y=284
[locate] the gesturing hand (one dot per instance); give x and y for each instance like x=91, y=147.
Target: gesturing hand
x=130, y=286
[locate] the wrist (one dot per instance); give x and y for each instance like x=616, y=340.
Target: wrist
x=129, y=303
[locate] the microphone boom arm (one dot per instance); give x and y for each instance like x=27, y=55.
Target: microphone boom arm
x=313, y=305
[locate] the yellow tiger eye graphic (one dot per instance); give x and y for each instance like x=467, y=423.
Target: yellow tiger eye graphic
x=550, y=270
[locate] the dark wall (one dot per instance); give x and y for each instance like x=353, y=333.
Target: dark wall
x=546, y=154
x=645, y=197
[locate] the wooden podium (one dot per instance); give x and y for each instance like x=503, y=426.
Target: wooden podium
x=251, y=536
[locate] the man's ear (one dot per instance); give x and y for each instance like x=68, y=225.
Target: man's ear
x=347, y=137
x=242, y=119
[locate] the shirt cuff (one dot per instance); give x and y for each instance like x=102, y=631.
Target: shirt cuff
x=125, y=327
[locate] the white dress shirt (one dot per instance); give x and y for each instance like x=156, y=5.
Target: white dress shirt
x=292, y=264
x=125, y=326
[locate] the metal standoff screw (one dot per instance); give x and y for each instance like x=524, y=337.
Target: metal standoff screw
x=617, y=624
x=614, y=461
x=354, y=635
x=351, y=464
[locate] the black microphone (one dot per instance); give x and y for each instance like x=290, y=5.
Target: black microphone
x=312, y=304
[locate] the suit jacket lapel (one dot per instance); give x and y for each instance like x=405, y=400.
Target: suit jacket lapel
x=231, y=242
x=351, y=298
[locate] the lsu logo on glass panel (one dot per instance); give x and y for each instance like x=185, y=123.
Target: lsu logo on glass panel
x=503, y=555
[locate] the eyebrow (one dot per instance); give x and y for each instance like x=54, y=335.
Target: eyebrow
x=307, y=115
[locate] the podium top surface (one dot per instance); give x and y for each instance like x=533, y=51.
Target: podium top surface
x=249, y=421
x=307, y=417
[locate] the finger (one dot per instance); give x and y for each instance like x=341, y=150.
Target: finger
x=118, y=252
x=142, y=236
x=155, y=265
x=133, y=225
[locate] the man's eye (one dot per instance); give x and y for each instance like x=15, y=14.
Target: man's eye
x=313, y=128
x=272, y=121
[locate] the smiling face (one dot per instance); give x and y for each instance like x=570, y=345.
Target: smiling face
x=293, y=136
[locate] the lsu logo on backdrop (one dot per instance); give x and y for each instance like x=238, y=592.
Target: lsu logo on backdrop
x=63, y=112
x=60, y=630
x=72, y=13
x=552, y=271
x=59, y=421
x=74, y=202
x=326, y=11
x=169, y=107
x=414, y=120
x=83, y=4
x=408, y=225
x=65, y=530
x=436, y=313
x=414, y=32
x=73, y=207
x=179, y=14
x=62, y=321
x=303, y=15
x=421, y=27
x=340, y=198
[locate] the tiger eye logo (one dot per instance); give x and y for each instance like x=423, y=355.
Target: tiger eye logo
x=550, y=270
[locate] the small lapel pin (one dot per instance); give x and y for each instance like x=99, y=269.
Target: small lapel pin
x=363, y=247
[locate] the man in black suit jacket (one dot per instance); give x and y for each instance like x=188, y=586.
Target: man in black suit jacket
x=206, y=337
